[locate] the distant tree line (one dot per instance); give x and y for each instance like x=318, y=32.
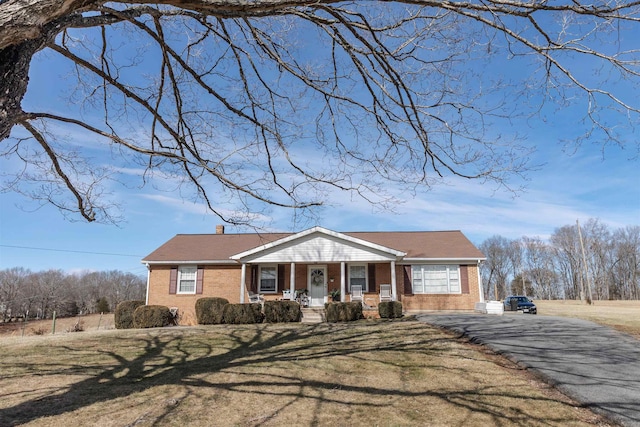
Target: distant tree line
x=606, y=266
x=24, y=293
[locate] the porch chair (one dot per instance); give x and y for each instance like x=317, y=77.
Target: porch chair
x=256, y=298
x=286, y=294
x=356, y=293
x=302, y=298
x=174, y=316
x=385, y=293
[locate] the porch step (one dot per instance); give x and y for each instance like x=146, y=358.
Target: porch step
x=313, y=315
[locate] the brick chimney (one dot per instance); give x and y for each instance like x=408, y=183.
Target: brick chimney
x=219, y=229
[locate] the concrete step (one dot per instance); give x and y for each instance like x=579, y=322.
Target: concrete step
x=313, y=315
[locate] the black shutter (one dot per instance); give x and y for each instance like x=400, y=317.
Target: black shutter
x=254, y=279
x=408, y=288
x=280, y=284
x=346, y=279
x=372, y=278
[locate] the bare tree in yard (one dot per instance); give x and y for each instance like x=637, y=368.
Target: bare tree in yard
x=50, y=287
x=567, y=252
x=553, y=268
x=122, y=287
x=515, y=255
x=40, y=293
x=498, y=267
x=600, y=252
x=113, y=286
x=276, y=103
x=625, y=268
x=522, y=286
x=541, y=269
x=13, y=281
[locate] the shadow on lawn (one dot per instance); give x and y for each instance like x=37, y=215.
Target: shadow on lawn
x=174, y=357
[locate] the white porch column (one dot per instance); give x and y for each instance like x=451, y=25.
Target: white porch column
x=292, y=281
x=480, y=290
x=146, y=301
x=343, y=285
x=243, y=277
x=394, y=290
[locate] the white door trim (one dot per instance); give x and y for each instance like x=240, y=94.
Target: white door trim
x=317, y=293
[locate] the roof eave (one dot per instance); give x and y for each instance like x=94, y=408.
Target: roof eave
x=454, y=259
x=199, y=262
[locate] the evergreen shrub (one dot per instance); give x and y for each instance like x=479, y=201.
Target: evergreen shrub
x=390, y=309
x=238, y=314
x=102, y=305
x=152, y=316
x=123, y=316
x=343, y=311
x=209, y=311
x=282, y=311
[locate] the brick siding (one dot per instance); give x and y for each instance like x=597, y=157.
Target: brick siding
x=224, y=281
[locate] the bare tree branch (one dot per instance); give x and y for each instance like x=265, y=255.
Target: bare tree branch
x=279, y=103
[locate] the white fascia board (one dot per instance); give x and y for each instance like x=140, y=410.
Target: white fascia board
x=320, y=230
x=446, y=260
x=185, y=262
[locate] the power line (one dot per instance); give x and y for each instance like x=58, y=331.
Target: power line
x=68, y=250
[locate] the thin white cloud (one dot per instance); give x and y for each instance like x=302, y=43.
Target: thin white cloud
x=556, y=197
x=179, y=206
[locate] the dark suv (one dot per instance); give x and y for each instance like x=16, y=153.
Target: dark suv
x=519, y=303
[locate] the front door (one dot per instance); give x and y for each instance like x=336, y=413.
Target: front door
x=317, y=285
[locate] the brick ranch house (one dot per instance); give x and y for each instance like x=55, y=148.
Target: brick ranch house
x=427, y=270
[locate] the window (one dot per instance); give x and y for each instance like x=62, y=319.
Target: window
x=187, y=280
x=268, y=279
x=358, y=276
x=435, y=279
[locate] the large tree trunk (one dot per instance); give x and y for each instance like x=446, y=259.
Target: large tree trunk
x=22, y=20
x=25, y=28
x=14, y=77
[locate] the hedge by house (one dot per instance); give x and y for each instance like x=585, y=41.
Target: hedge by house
x=282, y=311
x=152, y=316
x=390, y=309
x=238, y=314
x=209, y=311
x=343, y=311
x=123, y=316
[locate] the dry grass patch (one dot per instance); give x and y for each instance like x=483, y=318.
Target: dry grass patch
x=621, y=315
x=91, y=322
x=365, y=373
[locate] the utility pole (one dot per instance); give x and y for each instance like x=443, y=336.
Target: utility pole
x=584, y=266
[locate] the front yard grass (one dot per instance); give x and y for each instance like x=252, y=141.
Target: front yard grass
x=363, y=373
x=621, y=315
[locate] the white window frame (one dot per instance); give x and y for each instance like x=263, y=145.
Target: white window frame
x=365, y=287
x=275, y=272
x=185, y=270
x=421, y=285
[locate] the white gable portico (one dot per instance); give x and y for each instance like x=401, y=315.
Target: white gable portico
x=317, y=247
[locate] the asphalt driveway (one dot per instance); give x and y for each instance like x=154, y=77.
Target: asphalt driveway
x=593, y=364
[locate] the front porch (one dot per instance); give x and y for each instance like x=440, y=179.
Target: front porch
x=313, y=285
x=319, y=263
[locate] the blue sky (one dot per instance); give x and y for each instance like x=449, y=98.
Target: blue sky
x=580, y=186
x=590, y=182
